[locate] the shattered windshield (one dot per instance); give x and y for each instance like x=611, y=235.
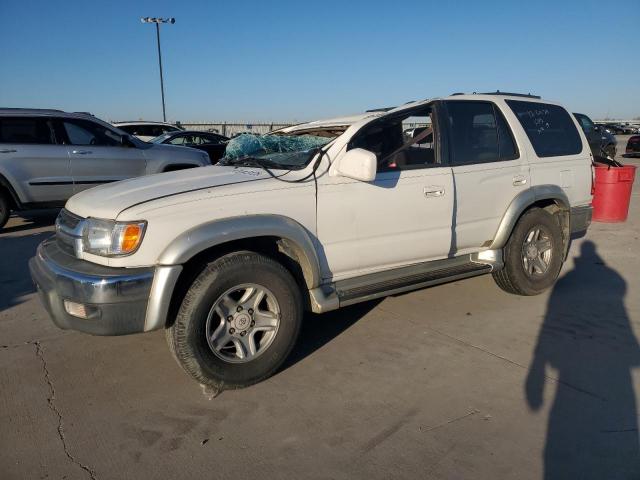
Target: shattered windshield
x=273, y=151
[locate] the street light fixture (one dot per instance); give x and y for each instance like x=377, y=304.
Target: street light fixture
x=158, y=21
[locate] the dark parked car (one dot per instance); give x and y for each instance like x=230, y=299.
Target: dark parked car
x=212, y=143
x=633, y=146
x=615, y=128
x=599, y=138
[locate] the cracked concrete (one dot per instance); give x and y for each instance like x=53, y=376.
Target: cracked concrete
x=51, y=402
x=439, y=384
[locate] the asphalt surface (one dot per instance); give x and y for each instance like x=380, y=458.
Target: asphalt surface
x=456, y=381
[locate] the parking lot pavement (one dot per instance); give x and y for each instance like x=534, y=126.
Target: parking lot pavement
x=456, y=381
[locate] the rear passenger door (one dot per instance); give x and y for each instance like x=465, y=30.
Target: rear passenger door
x=488, y=171
x=97, y=155
x=34, y=160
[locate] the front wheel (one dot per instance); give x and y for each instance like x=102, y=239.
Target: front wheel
x=238, y=321
x=533, y=255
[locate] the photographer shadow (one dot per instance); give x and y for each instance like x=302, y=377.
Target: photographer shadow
x=588, y=342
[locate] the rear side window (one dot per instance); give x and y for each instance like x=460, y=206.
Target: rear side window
x=585, y=122
x=82, y=132
x=549, y=128
x=479, y=133
x=26, y=130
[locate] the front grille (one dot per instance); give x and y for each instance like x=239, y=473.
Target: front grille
x=68, y=231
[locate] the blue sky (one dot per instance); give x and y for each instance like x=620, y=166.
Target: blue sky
x=240, y=60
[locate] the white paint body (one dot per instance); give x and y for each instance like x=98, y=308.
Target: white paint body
x=399, y=218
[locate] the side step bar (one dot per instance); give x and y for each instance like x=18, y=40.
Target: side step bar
x=399, y=280
x=360, y=290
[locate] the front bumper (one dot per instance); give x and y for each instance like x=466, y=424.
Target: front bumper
x=118, y=298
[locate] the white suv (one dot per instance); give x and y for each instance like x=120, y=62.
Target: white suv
x=319, y=216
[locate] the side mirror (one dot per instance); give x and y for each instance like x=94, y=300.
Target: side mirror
x=359, y=164
x=125, y=141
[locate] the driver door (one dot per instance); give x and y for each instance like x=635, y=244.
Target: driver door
x=97, y=155
x=401, y=218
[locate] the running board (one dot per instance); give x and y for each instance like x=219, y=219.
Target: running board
x=391, y=282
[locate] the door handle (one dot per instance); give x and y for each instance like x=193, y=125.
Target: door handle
x=81, y=152
x=519, y=180
x=434, y=191
x=8, y=150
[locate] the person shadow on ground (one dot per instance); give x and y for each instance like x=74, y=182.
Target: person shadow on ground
x=587, y=340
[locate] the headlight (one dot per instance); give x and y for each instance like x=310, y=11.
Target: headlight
x=109, y=238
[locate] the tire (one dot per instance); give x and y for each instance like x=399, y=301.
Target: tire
x=5, y=209
x=215, y=328
x=525, y=255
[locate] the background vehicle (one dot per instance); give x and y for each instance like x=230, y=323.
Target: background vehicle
x=212, y=143
x=320, y=216
x=615, y=128
x=599, y=139
x=146, y=130
x=46, y=156
x=633, y=146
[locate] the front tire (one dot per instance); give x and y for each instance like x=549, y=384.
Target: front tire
x=533, y=255
x=238, y=321
x=5, y=209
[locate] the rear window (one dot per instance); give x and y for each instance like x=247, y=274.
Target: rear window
x=26, y=130
x=549, y=128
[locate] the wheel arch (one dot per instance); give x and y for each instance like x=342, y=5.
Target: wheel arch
x=290, y=237
x=548, y=197
x=276, y=236
x=5, y=185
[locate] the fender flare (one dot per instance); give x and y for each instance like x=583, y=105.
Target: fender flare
x=297, y=241
x=520, y=203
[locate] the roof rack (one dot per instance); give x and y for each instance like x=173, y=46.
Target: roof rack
x=43, y=110
x=498, y=92
x=511, y=94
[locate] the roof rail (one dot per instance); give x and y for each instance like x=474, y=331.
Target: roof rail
x=15, y=109
x=498, y=92
x=511, y=94
x=383, y=109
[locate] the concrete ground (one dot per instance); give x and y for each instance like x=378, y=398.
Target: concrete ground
x=456, y=381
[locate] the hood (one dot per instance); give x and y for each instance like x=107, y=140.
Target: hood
x=107, y=201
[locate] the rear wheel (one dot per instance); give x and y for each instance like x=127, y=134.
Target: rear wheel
x=533, y=254
x=238, y=321
x=5, y=209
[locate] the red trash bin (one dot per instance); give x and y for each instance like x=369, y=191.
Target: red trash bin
x=612, y=193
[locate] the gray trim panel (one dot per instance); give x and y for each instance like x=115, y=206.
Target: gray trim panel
x=190, y=243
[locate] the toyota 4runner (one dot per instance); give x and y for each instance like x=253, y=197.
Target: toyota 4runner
x=316, y=217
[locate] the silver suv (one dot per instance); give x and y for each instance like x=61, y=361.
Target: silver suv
x=46, y=156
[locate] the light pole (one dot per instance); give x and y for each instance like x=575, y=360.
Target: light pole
x=158, y=21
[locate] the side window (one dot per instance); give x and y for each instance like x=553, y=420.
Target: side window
x=549, y=128
x=130, y=129
x=82, y=132
x=26, y=130
x=177, y=141
x=474, y=136
x=585, y=123
x=479, y=133
x=401, y=142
